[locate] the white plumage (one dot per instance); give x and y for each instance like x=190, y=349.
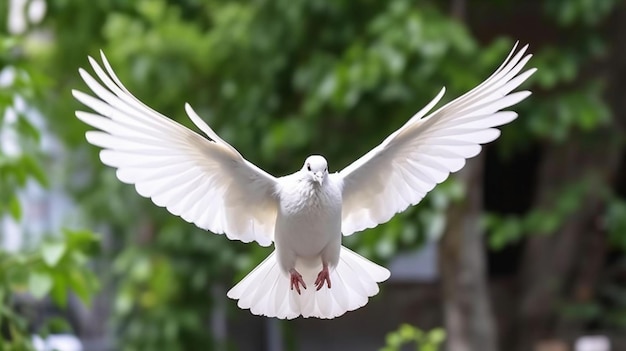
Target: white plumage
x=208, y=183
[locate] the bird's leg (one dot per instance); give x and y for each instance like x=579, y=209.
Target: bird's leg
x=323, y=276
x=296, y=280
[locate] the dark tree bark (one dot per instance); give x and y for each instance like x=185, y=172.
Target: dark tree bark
x=468, y=316
x=462, y=259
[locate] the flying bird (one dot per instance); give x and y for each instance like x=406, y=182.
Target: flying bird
x=207, y=182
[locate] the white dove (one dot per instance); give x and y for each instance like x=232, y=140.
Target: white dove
x=208, y=183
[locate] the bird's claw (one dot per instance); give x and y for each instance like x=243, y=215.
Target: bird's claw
x=323, y=276
x=296, y=280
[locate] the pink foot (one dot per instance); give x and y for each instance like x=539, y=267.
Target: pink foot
x=323, y=276
x=296, y=280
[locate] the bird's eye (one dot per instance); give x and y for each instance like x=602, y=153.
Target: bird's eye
x=308, y=166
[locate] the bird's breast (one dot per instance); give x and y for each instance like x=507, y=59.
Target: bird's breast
x=310, y=200
x=308, y=218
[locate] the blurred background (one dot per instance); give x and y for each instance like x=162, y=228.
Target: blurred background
x=522, y=250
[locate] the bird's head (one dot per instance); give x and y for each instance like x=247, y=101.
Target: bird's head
x=315, y=168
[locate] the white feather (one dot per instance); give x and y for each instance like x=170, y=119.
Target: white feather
x=424, y=151
x=265, y=290
x=163, y=158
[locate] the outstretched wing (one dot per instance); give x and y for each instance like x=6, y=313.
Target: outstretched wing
x=422, y=153
x=206, y=182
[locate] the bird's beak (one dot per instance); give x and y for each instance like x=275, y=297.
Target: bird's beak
x=319, y=177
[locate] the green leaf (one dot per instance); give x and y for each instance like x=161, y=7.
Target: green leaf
x=58, y=325
x=394, y=340
x=27, y=129
x=59, y=289
x=15, y=208
x=407, y=332
x=39, y=284
x=82, y=240
x=35, y=170
x=80, y=285
x=52, y=253
x=616, y=223
x=437, y=335
x=123, y=302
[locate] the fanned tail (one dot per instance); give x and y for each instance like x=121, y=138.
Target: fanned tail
x=265, y=290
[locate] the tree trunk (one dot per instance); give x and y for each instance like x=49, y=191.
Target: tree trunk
x=467, y=310
x=468, y=317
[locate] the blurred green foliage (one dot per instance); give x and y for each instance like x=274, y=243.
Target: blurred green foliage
x=53, y=268
x=573, y=106
x=431, y=340
x=59, y=264
x=22, y=161
x=572, y=13
x=569, y=110
x=505, y=230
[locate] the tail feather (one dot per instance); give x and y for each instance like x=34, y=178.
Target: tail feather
x=266, y=291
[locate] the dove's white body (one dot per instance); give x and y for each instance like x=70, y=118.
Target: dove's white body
x=307, y=235
x=207, y=182
x=308, y=225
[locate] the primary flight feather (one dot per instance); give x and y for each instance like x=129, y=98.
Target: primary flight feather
x=208, y=183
